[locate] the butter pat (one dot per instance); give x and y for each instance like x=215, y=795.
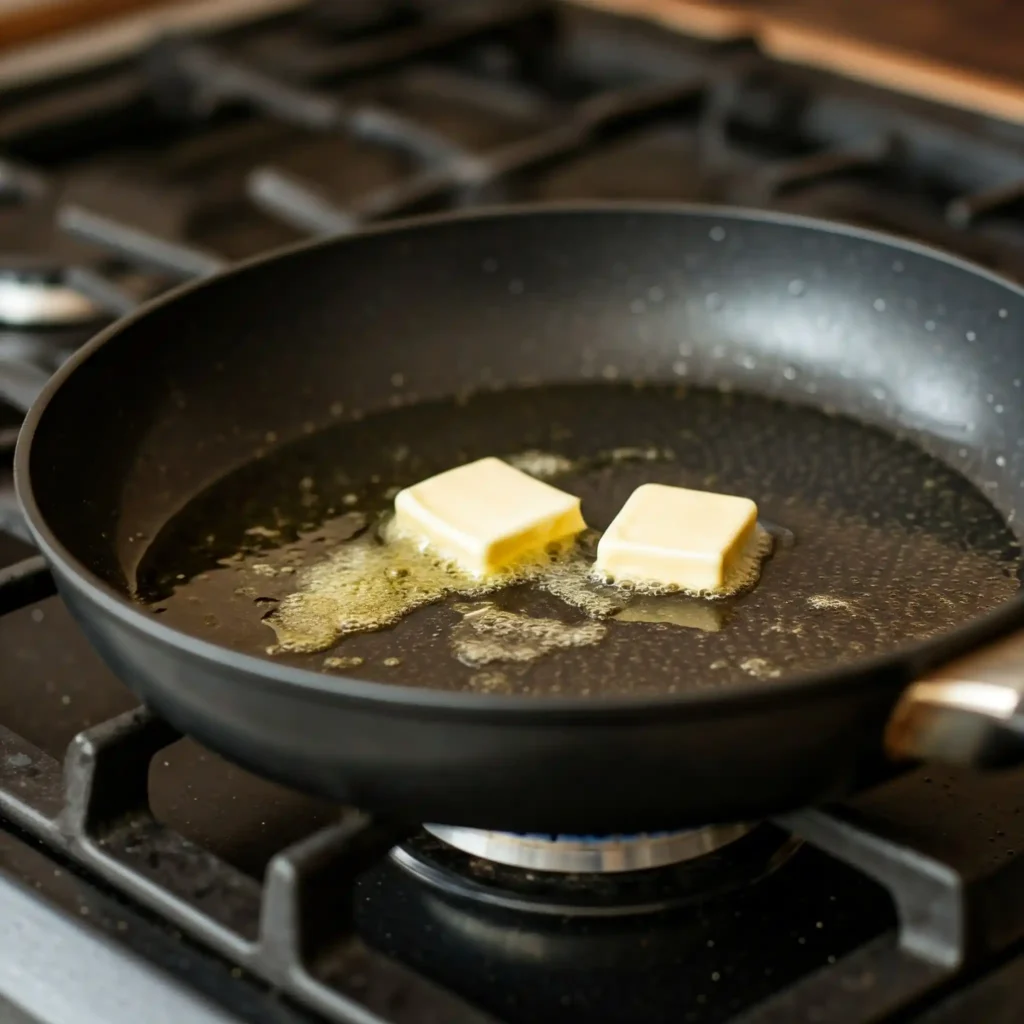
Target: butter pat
x=670, y=537
x=486, y=516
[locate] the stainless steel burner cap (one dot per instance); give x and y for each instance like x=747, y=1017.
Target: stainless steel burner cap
x=588, y=854
x=38, y=302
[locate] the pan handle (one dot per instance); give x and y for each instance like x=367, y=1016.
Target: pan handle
x=969, y=712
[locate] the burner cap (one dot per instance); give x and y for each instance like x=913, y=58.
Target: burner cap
x=37, y=297
x=588, y=854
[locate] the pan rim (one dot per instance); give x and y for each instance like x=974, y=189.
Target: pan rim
x=895, y=668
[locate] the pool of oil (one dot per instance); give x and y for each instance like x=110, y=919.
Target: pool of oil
x=877, y=543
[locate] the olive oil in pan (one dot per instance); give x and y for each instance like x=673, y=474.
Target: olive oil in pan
x=883, y=544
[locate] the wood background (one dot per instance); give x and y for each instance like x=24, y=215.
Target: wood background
x=22, y=21
x=969, y=53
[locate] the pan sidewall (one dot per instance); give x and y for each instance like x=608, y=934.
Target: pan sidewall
x=666, y=768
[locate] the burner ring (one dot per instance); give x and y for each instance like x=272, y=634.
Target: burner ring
x=462, y=876
x=588, y=854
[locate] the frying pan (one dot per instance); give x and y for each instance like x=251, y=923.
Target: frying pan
x=223, y=375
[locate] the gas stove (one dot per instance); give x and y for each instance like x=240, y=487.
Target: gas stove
x=143, y=878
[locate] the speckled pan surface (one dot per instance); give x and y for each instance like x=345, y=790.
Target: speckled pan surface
x=885, y=333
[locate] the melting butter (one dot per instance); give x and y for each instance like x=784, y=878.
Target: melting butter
x=760, y=668
x=676, y=610
x=826, y=602
x=377, y=578
x=374, y=580
x=540, y=465
x=343, y=663
x=487, y=634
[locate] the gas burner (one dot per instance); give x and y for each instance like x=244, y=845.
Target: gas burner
x=41, y=297
x=659, y=871
x=588, y=854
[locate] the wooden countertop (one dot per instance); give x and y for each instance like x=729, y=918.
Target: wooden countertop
x=22, y=21
x=967, y=53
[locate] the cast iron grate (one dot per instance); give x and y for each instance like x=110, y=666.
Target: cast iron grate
x=577, y=92
x=94, y=809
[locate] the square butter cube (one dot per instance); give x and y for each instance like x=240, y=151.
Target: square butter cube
x=674, y=537
x=486, y=515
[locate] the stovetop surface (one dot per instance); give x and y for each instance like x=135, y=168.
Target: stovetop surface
x=220, y=146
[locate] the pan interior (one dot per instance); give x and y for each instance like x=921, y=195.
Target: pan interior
x=877, y=543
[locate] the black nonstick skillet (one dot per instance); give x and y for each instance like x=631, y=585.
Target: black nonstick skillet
x=865, y=392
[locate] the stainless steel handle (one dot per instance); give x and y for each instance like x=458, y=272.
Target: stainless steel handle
x=969, y=712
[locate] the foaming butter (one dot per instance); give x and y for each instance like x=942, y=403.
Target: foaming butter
x=409, y=561
x=488, y=634
x=379, y=577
